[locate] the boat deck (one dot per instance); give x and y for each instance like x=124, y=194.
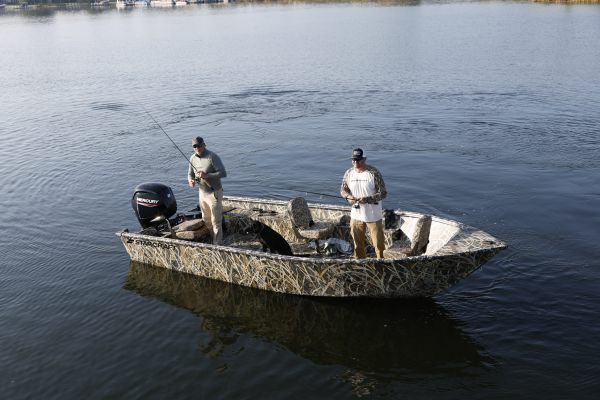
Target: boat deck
x=305, y=249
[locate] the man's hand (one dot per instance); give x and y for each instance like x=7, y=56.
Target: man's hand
x=354, y=201
x=192, y=183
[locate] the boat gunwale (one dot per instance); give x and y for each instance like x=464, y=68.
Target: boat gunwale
x=333, y=207
x=461, y=227
x=322, y=260
x=495, y=244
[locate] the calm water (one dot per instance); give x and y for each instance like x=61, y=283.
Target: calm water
x=486, y=113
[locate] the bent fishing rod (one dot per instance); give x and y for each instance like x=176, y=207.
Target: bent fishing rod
x=175, y=144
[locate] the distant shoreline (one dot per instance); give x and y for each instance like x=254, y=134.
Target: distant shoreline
x=24, y=5
x=567, y=1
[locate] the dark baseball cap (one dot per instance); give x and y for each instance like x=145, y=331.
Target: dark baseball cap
x=357, y=154
x=198, y=141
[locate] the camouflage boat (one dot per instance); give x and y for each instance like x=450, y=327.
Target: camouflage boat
x=424, y=254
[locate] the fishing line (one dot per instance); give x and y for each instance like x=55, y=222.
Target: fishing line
x=167, y=135
x=175, y=144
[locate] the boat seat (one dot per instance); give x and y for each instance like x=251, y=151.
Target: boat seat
x=303, y=222
x=418, y=241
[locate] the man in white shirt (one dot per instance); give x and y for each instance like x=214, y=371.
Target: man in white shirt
x=364, y=189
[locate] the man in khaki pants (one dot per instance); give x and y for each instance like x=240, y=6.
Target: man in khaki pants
x=364, y=189
x=206, y=168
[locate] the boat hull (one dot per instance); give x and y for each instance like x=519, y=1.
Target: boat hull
x=421, y=276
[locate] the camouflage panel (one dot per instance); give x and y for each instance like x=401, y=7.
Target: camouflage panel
x=413, y=276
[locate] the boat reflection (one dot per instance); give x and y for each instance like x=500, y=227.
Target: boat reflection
x=370, y=335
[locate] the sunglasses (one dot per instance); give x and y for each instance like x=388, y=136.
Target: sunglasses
x=197, y=146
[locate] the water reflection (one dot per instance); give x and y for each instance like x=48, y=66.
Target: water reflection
x=367, y=335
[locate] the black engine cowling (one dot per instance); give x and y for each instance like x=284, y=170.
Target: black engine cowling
x=153, y=203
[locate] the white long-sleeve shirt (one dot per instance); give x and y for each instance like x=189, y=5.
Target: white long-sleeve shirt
x=369, y=185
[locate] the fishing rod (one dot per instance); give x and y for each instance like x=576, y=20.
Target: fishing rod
x=319, y=194
x=167, y=135
x=355, y=205
x=281, y=196
x=175, y=144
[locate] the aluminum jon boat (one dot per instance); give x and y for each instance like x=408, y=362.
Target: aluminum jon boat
x=424, y=254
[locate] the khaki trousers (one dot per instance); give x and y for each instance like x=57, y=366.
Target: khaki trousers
x=211, y=204
x=358, y=229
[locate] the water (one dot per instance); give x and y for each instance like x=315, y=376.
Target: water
x=485, y=113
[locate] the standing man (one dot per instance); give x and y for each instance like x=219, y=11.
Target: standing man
x=364, y=189
x=207, y=169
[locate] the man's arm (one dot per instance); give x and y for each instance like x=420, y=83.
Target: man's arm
x=345, y=190
x=219, y=171
x=380, y=190
x=191, y=173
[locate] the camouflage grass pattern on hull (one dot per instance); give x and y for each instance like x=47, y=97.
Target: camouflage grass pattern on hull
x=456, y=251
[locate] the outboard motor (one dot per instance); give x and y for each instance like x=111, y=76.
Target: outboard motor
x=153, y=203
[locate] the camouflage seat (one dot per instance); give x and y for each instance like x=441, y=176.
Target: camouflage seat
x=302, y=220
x=418, y=241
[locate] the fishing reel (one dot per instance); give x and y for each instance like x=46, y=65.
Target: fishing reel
x=357, y=205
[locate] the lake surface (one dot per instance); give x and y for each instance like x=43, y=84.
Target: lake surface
x=485, y=113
